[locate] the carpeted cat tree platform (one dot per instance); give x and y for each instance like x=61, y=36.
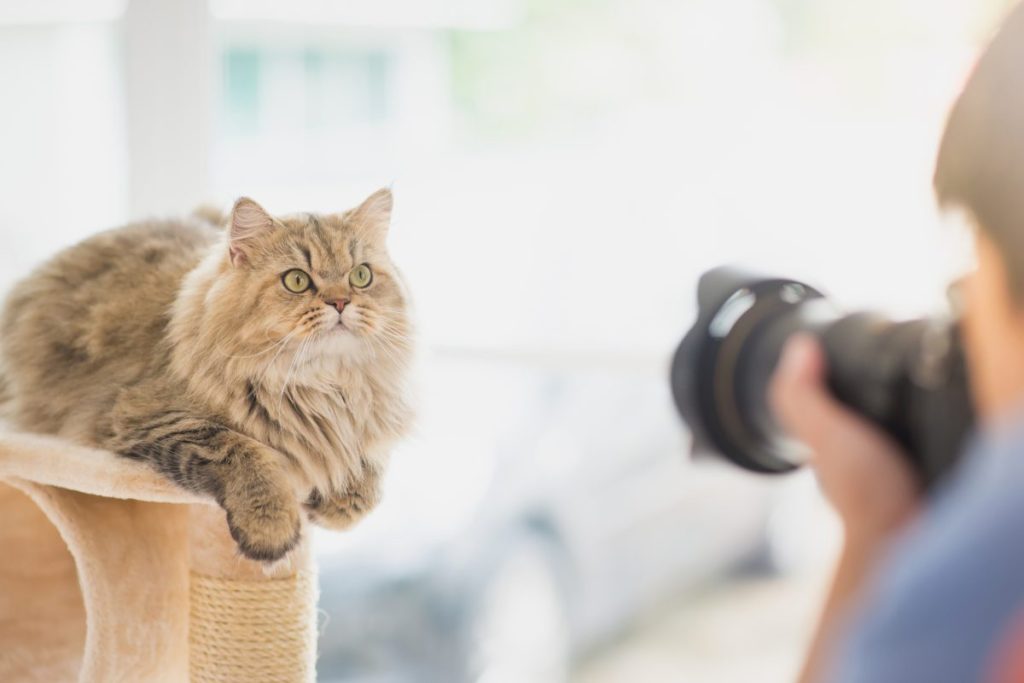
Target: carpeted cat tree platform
x=109, y=573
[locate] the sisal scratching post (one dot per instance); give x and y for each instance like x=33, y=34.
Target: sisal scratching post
x=110, y=573
x=245, y=625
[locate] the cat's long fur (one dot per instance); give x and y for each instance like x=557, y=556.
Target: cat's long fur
x=176, y=343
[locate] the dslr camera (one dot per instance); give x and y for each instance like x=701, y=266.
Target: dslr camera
x=909, y=378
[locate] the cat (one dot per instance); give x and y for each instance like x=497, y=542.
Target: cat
x=261, y=362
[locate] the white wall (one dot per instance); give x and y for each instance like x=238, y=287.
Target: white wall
x=62, y=145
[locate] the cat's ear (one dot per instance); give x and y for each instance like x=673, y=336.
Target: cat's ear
x=373, y=216
x=249, y=220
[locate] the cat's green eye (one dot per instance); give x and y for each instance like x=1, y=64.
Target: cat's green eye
x=361, y=276
x=296, y=281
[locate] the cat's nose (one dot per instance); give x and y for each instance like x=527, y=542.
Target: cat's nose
x=338, y=303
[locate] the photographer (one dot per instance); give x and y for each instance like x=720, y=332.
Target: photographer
x=933, y=590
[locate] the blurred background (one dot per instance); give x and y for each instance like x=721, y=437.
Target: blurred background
x=563, y=171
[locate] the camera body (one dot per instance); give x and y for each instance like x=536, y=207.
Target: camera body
x=909, y=378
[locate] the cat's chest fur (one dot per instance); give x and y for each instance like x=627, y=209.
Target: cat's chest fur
x=329, y=431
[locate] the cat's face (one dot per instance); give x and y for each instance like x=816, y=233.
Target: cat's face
x=317, y=286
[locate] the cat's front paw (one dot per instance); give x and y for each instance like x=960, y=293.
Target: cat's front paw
x=341, y=510
x=266, y=528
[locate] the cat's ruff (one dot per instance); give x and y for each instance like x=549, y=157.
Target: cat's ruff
x=107, y=566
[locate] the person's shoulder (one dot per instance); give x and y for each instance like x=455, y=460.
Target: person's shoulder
x=948, y=585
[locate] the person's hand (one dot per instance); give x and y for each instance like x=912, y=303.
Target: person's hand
x=862, y=471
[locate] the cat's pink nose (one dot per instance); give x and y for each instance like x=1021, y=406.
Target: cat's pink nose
x=338, y=303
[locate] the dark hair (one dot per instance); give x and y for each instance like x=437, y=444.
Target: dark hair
x=980, y=166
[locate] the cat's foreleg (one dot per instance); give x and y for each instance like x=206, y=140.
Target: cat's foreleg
x=248, y=479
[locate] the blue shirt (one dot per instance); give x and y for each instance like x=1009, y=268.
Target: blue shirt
x=951, y=586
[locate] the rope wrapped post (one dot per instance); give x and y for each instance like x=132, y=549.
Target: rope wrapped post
x=248, y=624
x=109, y=573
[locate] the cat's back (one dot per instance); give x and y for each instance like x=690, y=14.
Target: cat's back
x=90, y=320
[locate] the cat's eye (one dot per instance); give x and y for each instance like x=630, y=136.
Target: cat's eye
x=361, y=276
x=296, y=281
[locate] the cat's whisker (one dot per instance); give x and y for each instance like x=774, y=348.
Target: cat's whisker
x=396, y=343
x=273, y=361
x=400, y=342
x=279, y=342
x=392, y=352
x=291, y=368
x=392, y=324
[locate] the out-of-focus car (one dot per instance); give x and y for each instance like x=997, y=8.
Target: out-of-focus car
x=540, y=508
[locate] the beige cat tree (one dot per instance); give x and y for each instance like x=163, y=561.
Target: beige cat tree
x=109, y=573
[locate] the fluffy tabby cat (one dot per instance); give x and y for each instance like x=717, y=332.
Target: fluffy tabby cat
x=261, y=364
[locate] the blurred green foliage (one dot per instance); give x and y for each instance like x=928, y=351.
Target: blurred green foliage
x=573, y=59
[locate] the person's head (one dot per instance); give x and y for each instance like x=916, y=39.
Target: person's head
x=980, y=169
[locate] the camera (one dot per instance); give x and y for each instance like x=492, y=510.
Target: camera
x=909, y=378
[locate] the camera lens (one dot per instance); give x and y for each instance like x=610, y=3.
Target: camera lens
x=908, y=377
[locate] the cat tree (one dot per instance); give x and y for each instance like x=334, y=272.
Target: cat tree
x=110, y=573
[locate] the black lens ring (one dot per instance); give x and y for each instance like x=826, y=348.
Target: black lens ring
x=739, y=442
